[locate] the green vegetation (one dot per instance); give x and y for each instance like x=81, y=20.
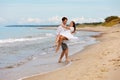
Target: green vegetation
x=94, y=24
x=111, y=21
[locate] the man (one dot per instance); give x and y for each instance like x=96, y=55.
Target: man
x=63, y=45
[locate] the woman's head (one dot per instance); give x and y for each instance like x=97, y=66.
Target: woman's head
x=72, y=24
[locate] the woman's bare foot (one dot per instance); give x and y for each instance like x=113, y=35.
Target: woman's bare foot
x=56, y=45
x=57, y=49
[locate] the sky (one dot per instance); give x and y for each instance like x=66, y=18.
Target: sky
x=51, y=11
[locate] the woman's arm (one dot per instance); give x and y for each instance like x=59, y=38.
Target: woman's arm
x=66, y=27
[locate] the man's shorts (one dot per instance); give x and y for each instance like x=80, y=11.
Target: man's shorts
x=64, y=46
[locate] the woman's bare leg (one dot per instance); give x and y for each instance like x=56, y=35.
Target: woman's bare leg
x=61, y=38
x=57, y=39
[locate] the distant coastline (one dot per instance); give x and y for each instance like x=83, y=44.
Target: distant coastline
x=109, y=22
x=77, y=24
x=31, y=26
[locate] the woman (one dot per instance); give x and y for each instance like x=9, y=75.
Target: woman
x=66, y=35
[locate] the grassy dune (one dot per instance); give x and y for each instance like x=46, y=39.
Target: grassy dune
x=112, y=22
x=109, y=22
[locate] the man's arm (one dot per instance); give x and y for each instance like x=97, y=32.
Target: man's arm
x=66, y=27
x=58, y=33
x=58, y=30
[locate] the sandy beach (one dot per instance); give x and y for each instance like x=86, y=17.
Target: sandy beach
x=100, y=61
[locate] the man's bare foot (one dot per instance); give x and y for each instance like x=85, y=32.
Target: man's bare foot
x=67, y=60
x=59, y=61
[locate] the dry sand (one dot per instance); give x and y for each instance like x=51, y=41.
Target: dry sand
x=100, y=61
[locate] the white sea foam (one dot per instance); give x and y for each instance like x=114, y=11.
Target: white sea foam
x=12, y=40
x=50, y=35
x=19, y=40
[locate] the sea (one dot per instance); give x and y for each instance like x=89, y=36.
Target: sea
x=27, y=51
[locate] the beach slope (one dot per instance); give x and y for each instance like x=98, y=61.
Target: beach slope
x=100, y=61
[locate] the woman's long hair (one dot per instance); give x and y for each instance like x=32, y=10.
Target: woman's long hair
x=74, y=26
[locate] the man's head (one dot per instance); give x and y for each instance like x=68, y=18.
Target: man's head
x=64, y=20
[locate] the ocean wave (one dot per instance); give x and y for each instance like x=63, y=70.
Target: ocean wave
x=49, y=35
x=20, y=40
x=27, y=38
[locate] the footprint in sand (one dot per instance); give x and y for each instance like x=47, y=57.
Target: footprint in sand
x=75, y=59
x=103, y=69
x=105, y=53
x=115, y=62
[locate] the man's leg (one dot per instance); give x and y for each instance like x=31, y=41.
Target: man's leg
x=64, y=47
x=61, y=56
x=66, y=55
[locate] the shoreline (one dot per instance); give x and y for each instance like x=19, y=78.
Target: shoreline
x=67, y=64
x=72, y=60
x=45, y=62
x=99, y=61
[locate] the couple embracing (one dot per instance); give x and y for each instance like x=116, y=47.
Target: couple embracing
x=65, y=34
